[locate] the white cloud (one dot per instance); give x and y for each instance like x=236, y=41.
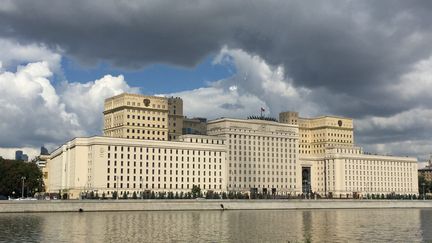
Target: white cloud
x=31, y=109
x=255, y=84
x=213, y=102
x=13, y=53
x=400, y=122
x=35, y=113
x=404, y=133
x=271, y=84
x=416, y=84
x=86, y=99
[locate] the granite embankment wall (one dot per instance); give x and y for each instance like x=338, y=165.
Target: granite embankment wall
x=182, y=205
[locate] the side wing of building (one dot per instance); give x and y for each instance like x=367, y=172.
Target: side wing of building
x=105, y=165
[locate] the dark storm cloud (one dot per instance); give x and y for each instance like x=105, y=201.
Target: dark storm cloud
x=344, y=46
x=348, y=53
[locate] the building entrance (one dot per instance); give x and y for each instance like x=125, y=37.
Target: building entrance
x=306, y=179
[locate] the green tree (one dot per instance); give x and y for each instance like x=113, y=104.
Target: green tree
x=114, y=195
x=11, y=172
x=216, y=195
x=161, y=195
x=134, y=195
x=196, y=191
x=125, y=195
x=209, y=194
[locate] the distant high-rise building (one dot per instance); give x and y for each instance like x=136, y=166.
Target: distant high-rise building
x=44, y=151
x=18, y=154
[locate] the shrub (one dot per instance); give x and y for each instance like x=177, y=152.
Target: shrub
x=209, y=194
x=196, y=191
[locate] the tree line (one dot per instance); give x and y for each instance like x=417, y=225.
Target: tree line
x=11, y=174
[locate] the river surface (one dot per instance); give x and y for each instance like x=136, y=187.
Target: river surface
x=335, y=225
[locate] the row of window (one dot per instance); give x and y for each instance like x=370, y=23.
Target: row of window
x=136, y=149
x=163, y=186
x=249, y=186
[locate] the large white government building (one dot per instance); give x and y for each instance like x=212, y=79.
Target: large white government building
x=107, y=165
x=331, y=164
x=262, y=155
x=143, y=149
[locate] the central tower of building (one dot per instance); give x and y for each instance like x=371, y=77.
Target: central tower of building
x=137, y=116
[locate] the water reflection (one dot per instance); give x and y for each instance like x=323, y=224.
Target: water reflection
x=371, y=225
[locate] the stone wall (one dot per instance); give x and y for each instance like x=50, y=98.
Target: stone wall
x=183, y=205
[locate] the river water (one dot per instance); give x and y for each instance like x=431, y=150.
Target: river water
x=341, y=225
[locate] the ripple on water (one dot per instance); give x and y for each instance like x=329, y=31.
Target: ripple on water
x=356, y=225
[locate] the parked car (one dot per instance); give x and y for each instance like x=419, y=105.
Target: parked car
x=2, y=197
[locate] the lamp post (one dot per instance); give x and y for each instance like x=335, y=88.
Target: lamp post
x=424, y=192
x=117, y=186
x=142, y=188
x=22, y=188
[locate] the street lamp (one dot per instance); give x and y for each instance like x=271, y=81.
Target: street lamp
x=22, y=189
x=117, y=186
x=424, y=192
x=142, y=188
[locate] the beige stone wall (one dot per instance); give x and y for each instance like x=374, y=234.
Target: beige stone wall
x=261, y=154
x=187, y=205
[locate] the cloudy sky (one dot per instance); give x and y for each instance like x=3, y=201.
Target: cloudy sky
x=369, y=60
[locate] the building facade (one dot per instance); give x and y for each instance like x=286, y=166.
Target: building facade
x=261, y=155
x=331, y=164
x=143, y=117
x=108, y=165
x=316, y=134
